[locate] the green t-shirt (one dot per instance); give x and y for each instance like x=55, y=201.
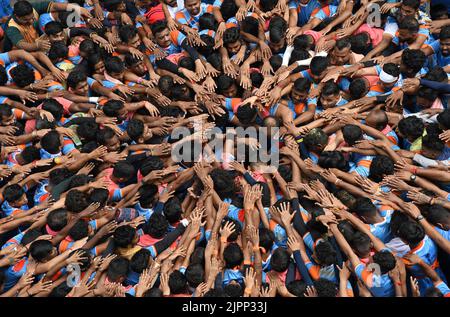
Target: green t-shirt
x=13, y=35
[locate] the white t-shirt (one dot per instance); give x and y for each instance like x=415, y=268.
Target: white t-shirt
x=174, y=10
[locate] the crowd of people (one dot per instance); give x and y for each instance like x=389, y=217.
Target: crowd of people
x=352, y=96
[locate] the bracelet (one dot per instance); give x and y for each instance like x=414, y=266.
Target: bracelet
x=432, y=201
x=337, y=181
x=414, y=170
x=139, y=80
x=223, y=239
x=31, y=86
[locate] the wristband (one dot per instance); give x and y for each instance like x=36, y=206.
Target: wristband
x=94, y=99
x=337, y=181
x=432, y=201
x=223, y=239
x=139, y=80
x=185, y=222
x=414, y=170
x=419, y=217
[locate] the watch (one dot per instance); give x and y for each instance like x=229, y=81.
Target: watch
x=413, y=177
x=419, y=217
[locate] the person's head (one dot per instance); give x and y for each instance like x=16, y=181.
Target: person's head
x=438, y=216
x=172, y=210
x=358, y=88
x=380, y=167
x=361, y=43
x=233, y=289
x=138, y=131
x=377, y=119
x=325, y=288
x=277, y=31
x=115, y=67
x=227, y=86
x=22, y=75
x=443, y=119
x=386, y=261
x=333, y=159
x=95, y=63
x=129, y=36
x=76, y=201
x=80, y=230
x=325, y=254
x=192, y=6
x=439, y=12
x=279, y=262
x=6, y=115
x=85, y=262
x=346, y=198
x=30, y=154
x=408, y=8
x=99, y=195
x=195, y=274
x=123, y=171
x=54, y=107
x=42, y=251
x=352, y=133
x=57, y=175
x=389, y=76
x=410, y=128
x=15, y=195
x=408, y=29
x=432, y=146
x=300, y=90
x=77, y=83
x=426, y=97
x=303, y=42
x=297, y=288
x=51, y=142
x=266, y=239
x=57, y=219
x=58, y=52
x=329, y=95
x=125, y=236
x=207, y=21
x=365, y=209
x=233, y=256
x=108, y=138
x=136, y=65
x=223, y=183
x=140, y=260
x=3, y=76
x=318, y=67
x=411, y=233
x=54, y=31
x=444, y=40
x=246, y=114
x=361, y=243
x=161, y=33
x=232, y=40
x=228, y=9
x=316, y=140
x=250, y=25
x=87, y=49
x=23, y=13
x=411, y=62
x=156, y=226
x=237, y=228
x=341, y=53
x=118, y=269
x=177, y=280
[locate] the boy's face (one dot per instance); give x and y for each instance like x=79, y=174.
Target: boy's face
x=445, y=47
x=113, y=144
x=81, y=89
x=99, y=68
x=25, y=20
x=192, y=6
x=230, y=92
x=21, y=202
x=58, y=37
x=318, y=78
x=163, y=38
x=340, y=57
x=233, y=48
x=329, y=101
x=405, y=11
x=139, y=68
x=298, y=96
x=135, y=42
x=277, y=47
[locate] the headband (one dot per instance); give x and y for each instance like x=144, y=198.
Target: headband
x=386, y=78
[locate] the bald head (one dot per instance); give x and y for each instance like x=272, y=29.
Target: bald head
x=377, y=119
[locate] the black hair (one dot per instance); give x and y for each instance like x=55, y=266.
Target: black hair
x=57, y=175
x=391, y=69
x=318, y=65
x=177, y=282
x=386, y=260
x=237, y=228
x=207, y=22
x=30, y=154
x=30, y=235
x=3, y=76
x=409, y=23
x=22, y=8
x=330, y=89
x=54, y=107
x=224, y=82
x=140, y=260
x=361, y=43
x=333, y=159
x=438, y=10
x=413, y=60
x=297, y=288
x=57, y=219
x=364, y=207
x=114, y=65
x=279, y=262
x=156, y=226
x=22, y=75
x=53, y=27
x=266, y=239
x=60, y=291
x=80, y=230
x=51, y=142
x=433, y=142
x=326, y=254
x=40, y=250
x=343, y=43
x=275, y=62
x=444, y=119
x=315, y=137
x=105, y=134
x=127, y=32
x=158, y=27
x=445, y=33
x=250, y=25
x=119, y=267
x=57, y=51
x=207, y=49
x=75, y=77
x=233, y=290
x=257, y=79
x=302, y=84
x=87, y=131
x=360, y=242
x=223, y=183
x=99, y=195
x=246, y=114
x=135, y=129
x=195, y=274
x=352, y=133
x=411, y=232
x=228, y=9
x=86, y=262
x=13, y=193
x=325, y=288
x=381, y=166
x=358, y=88
x=411, y=3
x=151, y=163
x=231, y=35
x=232, y=255
x=172, y=210
x=76, y=201
x=124, y=236
x=411, y=127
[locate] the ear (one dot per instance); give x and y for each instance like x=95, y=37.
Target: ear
x=141, y=140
